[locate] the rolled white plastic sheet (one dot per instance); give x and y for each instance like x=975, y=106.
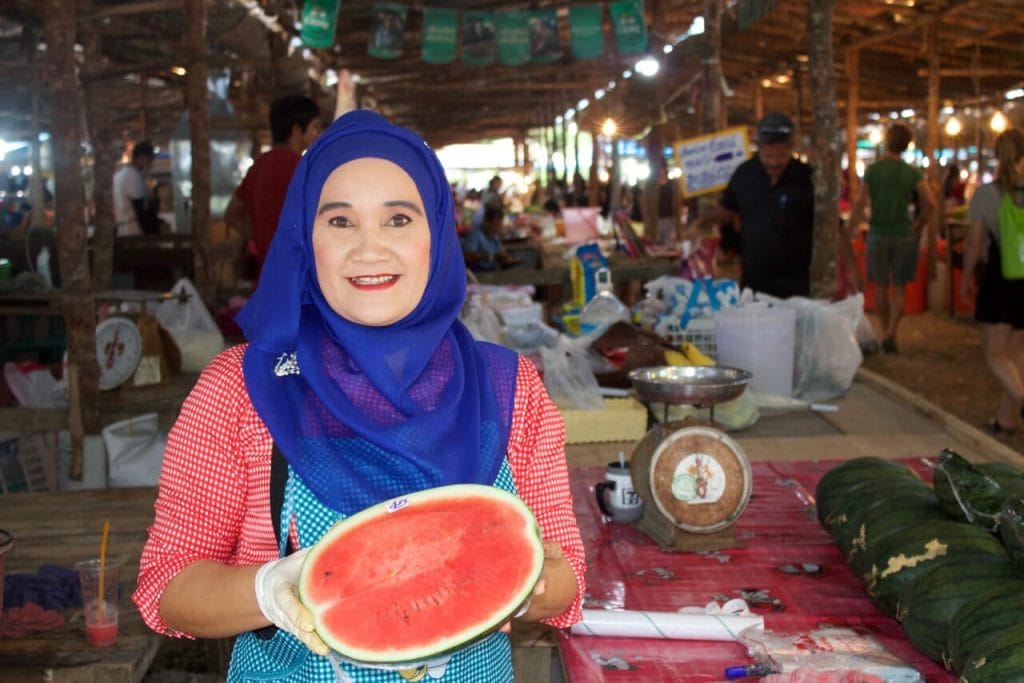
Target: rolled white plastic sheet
x=665, y=625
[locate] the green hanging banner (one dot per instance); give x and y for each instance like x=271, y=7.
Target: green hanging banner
x=319, y=22
x=439, y=31
x=585, y=33
x=513, y=37
x=387, y=33
x=630, y=26
x=479, y=38
x=545, y=46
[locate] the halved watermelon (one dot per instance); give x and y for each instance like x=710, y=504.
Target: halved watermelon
x=414, y=577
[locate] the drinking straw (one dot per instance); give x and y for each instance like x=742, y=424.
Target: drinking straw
x=100, y=612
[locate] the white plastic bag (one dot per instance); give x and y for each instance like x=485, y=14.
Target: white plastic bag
x=852, y=308
x=191, y=326
x=135, y=451
x=827, y=355
x=567, y=375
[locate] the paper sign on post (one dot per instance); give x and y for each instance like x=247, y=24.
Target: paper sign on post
x=708, y=161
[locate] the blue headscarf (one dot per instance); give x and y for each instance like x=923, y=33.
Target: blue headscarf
x=367, y=413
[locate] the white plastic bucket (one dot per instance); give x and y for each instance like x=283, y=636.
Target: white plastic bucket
x=759, y=339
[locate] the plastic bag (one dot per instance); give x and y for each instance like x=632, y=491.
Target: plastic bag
x=827, y=354
x=135, y=451
x=34, y=386
x=481, y=321
x=847, y=654
x=191, y=326
x=739, y=413
x=852, y=309
x=567, y=375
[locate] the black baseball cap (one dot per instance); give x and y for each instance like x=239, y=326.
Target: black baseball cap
x=774, y=127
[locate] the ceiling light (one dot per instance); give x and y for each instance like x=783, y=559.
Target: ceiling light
x=907, y=113
x=582, y=104
x=599, y=93
x=179, y=70
x=998, y=122
x=648, y=66
x=1014, y=94
x=608, y=128
x=953, y=126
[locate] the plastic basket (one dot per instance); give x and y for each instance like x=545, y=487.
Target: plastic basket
x=701, y=333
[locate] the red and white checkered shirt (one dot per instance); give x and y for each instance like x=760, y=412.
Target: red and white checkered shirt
x=214, y=500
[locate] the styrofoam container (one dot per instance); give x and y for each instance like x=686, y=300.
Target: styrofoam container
x=759, y=339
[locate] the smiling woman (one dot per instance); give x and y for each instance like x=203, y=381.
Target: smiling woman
x=359, y=385
x=372, y=242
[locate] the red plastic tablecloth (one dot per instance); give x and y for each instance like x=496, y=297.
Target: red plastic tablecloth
x=627, y=570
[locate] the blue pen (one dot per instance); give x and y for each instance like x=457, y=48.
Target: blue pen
x=747, y=671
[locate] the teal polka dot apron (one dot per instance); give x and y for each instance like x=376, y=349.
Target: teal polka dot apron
x=284, y=658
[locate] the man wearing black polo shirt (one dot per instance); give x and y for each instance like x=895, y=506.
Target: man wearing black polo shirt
x=770, y=198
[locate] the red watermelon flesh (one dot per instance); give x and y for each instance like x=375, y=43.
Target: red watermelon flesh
x=415, y=577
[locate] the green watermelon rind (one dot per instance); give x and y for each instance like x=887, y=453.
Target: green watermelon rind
x=997, y=660
x=853, y=475
x=419, y=655
x=931, y=601
x=981, y=617
x=902, y=556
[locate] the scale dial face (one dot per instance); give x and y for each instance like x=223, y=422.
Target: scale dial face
x=118, y=351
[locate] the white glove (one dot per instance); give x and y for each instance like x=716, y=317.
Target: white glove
x=278, y=600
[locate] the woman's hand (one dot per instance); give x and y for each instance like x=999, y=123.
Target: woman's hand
x=554, y=591
x=278, y=599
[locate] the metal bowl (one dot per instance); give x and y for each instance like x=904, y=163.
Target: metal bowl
x=689, y=384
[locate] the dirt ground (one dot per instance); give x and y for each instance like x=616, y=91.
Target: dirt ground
x=940, y=358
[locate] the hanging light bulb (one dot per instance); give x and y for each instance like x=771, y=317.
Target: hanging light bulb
x=953, y=126
x=608, y=128
x=998, y=122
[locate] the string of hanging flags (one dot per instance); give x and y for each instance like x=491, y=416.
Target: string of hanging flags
x=510, y=37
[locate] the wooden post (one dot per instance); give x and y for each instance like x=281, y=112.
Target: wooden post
x=565, y=149
x=199, y=130
x=758, y=101
x=711, y=83
x=798, y=107
x=594, y=184
x=36, y=193
x=79, y=305
x=104, y=141
x=826, y=146
x=852, y=107
x=938, y=220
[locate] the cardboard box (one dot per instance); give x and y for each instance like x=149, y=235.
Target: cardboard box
x=623, y=419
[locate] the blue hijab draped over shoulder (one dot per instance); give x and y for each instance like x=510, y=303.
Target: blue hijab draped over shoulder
x=366, y=413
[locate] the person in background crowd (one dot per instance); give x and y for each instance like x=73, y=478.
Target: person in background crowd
x=482, y=247
x=770, y=199
x=359, y=384
x=255, y=206
x=135, y=210
x=999, y=307
x=670, y=209
x=890, y=187
x=954, y=187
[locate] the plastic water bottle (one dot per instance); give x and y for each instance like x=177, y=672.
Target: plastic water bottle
x=43, y=266
x=604, y=309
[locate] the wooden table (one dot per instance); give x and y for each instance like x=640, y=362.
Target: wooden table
x=62, y=528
